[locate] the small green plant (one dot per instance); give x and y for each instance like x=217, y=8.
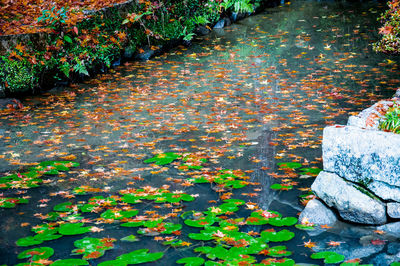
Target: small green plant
x=391, y=120
x=17, y=74
x=54, y=18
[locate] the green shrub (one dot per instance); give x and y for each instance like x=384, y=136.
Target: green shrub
x=17, y=75
x=390, y=41
x=391, y=120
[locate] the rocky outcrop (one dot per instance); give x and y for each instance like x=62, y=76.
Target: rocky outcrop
x=351, y=201
x=361, y=177
x=317, y=213
x=362, y=156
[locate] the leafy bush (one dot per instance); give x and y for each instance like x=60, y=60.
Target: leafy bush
x=390, y=42
x=78, y=44
x=391, y=121
x=17, y=75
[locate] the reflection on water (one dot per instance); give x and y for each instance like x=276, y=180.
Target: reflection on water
x=248, y=96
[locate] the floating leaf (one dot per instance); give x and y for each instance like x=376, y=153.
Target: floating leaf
x=191, y=261
x=278, y=251
x=93, y=248
x=163, y=158
x=305, y=227
x=281, y=186
x=140, y=256
x=35, y=254
x=64, y=207
x=277, y=236
x=328, y=256
x=290, y=165
x=73, y=229
x=310, y=171
x=118, y=215
x=130, y=238
x=287, y=221
x=70, y=262
x=28, y=241
x=11, y=202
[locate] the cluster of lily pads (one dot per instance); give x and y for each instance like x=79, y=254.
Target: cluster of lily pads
x=222, y=236
x=293, y=166
x=32, y=178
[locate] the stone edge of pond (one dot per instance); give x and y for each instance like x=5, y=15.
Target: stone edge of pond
x=360, y=180
x=127, y=54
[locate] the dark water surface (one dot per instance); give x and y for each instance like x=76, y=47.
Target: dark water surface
x=246, y=97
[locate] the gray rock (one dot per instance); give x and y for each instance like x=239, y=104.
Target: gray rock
x=384, y=191
x=201, y=30
x=317, y=213
x=383, y=259
x=369, y=118
x=129, y=52
x=354, y=203
x=393, y=209
x=391, y=229
x=393, y=248
x=228, y=22
x=220, y=24
x=361, y=155
x=2, y=91
x=146, y=55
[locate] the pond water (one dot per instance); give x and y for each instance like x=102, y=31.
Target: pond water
x=245, y=98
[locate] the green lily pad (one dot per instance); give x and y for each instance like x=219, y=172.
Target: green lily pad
x=278, y=262
x=310, y=171
x=163, y=158
x=277, y=236
x=70, y=262
x=287, y=221
x=132, y=224
x=130, y=238
x=28, y=241
x=73, y=229
x=35, y=254
x=11, y=202
x=118, y=215
x=191, y=261
x=305, y=227
x=290, y=165
x=64, y=207
x=328, y=256
x=202, y=221
x=92, y=248
x=140, y=256
x=278, y=251
x=281, y=186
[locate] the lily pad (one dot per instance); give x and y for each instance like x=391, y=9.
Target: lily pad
x=11, y=202
x=73, y=229
x=277, y=236
x=92, y=248
x=163, y=158
x=35, y=254
x=191, y=261
x=70, y=262
x=130, y=238
x=28, y=241
x=290, y=165
x=140, y=256
x=328, y=256
x=310, y=171
x=118, y=215
x=287, y=221
x=281, y=186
